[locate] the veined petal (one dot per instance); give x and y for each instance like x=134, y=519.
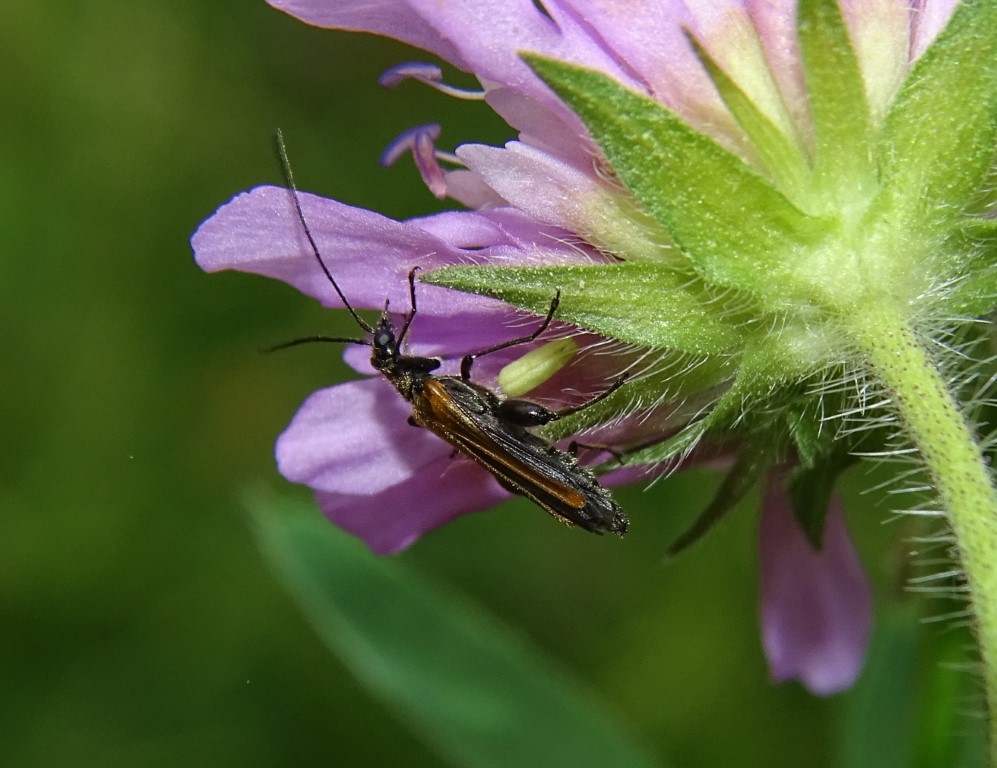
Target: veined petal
x=928, y=18
x=355, y=438
x=557, y=192
x=496, y=227
x=880, y=34
x=508, y=237
x=657, y=51
x=490, y=36
x=816, y=607
x=484, y=38
x=392, y=519
x=369, y=254
x=469, y=190
x=540, y=125
x=391, y=18
x=775, y=21
x=654, y=49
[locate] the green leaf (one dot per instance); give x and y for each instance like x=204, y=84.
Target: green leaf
x=466, y=685
x=913, y=706
x=938, y=139
x=643, y=304
x=945, y=736
x=837, y=99
x=879, y=717
x=735, y=228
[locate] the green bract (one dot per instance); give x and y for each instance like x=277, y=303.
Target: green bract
x=847, y=250
x=777, y=258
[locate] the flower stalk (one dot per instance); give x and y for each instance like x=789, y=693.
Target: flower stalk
x=953, y=458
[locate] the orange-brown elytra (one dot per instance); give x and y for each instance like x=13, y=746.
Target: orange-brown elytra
x=490, y=430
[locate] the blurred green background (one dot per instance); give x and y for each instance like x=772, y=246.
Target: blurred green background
x=140, y=624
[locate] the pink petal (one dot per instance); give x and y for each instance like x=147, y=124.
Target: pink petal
x=469, y=190
x=928, y=18
x=816, y=607
x=369, y=254
x=355, y=438
x=775, y=21
x=391, y=18
x=879, y=31
x=552, y=190
x=542, y=122
x=485, y=38
x=655, y=49
x=491, y=36
x=393, y=518
x=508, y=236
x=545, y=187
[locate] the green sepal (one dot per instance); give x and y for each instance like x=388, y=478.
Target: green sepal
x=644, y=304
x=810, y=489
x=703, y=377
x=780, y=155
x=600, y=412
x=938, y=138
x=837, y=100
x=974, y=290
x=736, y=228
x=761, y=374
x=723, y=414
x=753, y=461
x=976, y=293
x=983, y=231
x=804, y=430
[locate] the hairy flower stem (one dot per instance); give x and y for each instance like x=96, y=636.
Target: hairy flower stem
x=953, y=458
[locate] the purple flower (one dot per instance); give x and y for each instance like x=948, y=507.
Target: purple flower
x=816, y=604
x=545, y=199
x=373, y=474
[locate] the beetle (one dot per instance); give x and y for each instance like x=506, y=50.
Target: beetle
x=491, y=430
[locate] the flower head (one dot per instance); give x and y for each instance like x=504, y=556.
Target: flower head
x=722, y=193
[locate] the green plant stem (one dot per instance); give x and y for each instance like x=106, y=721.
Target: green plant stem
x=955, y=462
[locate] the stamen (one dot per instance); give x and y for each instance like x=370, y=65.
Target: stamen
x=420, y=140
x=428, y=74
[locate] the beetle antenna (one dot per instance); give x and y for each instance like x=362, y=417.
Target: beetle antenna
x=313, y=340
x=289, y=177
